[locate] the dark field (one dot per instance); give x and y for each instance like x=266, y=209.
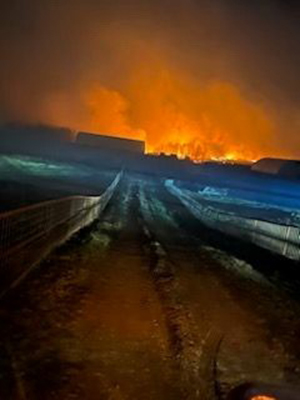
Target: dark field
x=28, y=180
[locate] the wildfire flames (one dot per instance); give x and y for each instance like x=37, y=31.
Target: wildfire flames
x=213, y=122
x=172, y=109
x=173, y=114
x=191, y=78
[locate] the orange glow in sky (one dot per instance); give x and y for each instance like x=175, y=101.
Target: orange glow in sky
x=211, y=122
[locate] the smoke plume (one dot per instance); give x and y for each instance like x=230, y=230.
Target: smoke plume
x=208, y=79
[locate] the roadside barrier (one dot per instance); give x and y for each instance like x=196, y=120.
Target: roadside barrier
x=278, y=238
x=29, y=233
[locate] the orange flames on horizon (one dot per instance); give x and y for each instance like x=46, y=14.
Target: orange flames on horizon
x=210, y=123
x=137, y=84
x=194, y=152
x=174, y=115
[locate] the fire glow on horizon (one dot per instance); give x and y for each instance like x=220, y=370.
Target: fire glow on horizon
x=191, y=79
x=213, y=122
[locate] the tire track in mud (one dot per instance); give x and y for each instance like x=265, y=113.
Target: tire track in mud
x=198, y=346
x=132, y=229
x=232, y=303
x=115, y=348
x=195, y=355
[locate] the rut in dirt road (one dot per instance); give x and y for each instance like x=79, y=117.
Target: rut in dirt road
x=141, y=306
x=195, y=354
x=238, y=319
x=89, y=322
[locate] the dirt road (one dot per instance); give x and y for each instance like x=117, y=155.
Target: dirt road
x=145, y=305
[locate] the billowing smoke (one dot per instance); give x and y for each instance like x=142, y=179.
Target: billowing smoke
x=209, y=79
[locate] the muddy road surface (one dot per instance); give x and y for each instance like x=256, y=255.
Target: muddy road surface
x=148, y=304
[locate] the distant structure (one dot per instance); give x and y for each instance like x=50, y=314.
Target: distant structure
x=279, y=167
x=106, y=142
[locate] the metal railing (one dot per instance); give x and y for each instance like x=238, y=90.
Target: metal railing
x=283, y=239
x=29, y=233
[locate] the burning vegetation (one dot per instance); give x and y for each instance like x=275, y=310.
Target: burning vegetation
x=189, y=78
x=175, y=116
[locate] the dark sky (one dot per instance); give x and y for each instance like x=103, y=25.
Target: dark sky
x=52, y=52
